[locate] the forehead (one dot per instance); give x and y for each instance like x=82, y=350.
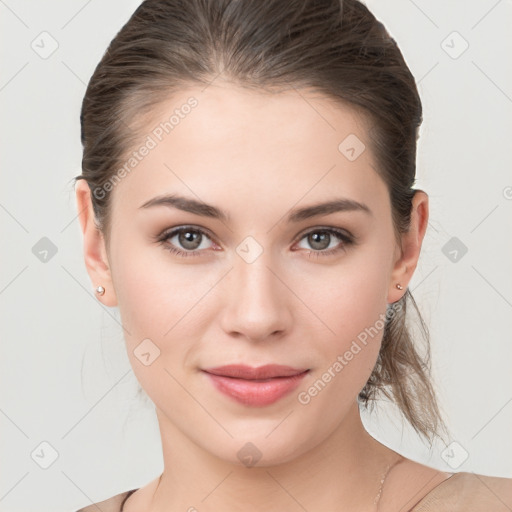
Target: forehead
x=229, y=143
x=231, y=116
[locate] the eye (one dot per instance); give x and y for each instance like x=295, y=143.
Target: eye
x=191, y=240
x=320, y=239
x=187, y=237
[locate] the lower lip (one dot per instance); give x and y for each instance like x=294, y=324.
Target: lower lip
x=256, y=393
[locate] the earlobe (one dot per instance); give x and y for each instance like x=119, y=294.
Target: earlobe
x=95, y=254
x=408, y=256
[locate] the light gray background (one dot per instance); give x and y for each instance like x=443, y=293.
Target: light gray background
x=54, y=331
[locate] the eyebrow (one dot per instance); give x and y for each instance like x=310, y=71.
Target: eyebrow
x=299, y=214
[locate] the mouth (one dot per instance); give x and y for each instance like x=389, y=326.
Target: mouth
x=255, y=387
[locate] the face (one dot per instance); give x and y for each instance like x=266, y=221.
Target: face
x=258, y=277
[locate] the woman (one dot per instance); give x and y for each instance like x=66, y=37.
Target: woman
x=247, y=202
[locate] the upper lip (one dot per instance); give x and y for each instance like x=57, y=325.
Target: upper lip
x=267, y=371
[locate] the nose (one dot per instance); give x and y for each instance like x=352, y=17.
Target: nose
x=255, y=300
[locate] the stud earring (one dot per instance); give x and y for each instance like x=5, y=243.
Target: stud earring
x=399, y=286
x=100, y=290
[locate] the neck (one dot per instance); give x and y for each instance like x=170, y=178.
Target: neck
x=344, y=472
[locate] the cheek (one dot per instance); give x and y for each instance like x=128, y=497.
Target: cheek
x=352, y=304
x=348, y=357
x=153, y=293
x=155, y=308
x=349, y=297
x=161, y=302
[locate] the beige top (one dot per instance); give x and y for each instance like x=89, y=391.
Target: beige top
x=461, y=492
x=468, y=492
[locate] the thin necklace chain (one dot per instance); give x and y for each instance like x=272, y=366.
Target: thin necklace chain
x=383, y=479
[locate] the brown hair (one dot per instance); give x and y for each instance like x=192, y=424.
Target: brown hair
x=335, y=47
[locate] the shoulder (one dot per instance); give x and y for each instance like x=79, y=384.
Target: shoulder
x=414, y=487
x=468, y=492
x=112, y=504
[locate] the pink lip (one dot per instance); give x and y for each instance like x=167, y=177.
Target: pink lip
x=256, y=386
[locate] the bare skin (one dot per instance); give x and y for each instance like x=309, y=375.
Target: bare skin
x=258, y=156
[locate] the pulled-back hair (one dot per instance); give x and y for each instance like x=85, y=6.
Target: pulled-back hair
x=335, y=47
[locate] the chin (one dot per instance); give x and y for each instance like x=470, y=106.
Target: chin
x=261, y=446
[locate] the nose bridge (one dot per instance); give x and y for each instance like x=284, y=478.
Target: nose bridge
x=256, y=298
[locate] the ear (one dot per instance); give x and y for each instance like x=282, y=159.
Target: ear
x=407, y=257
x=95, y=253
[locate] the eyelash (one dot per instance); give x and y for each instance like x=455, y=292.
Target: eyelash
x=346, y=239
